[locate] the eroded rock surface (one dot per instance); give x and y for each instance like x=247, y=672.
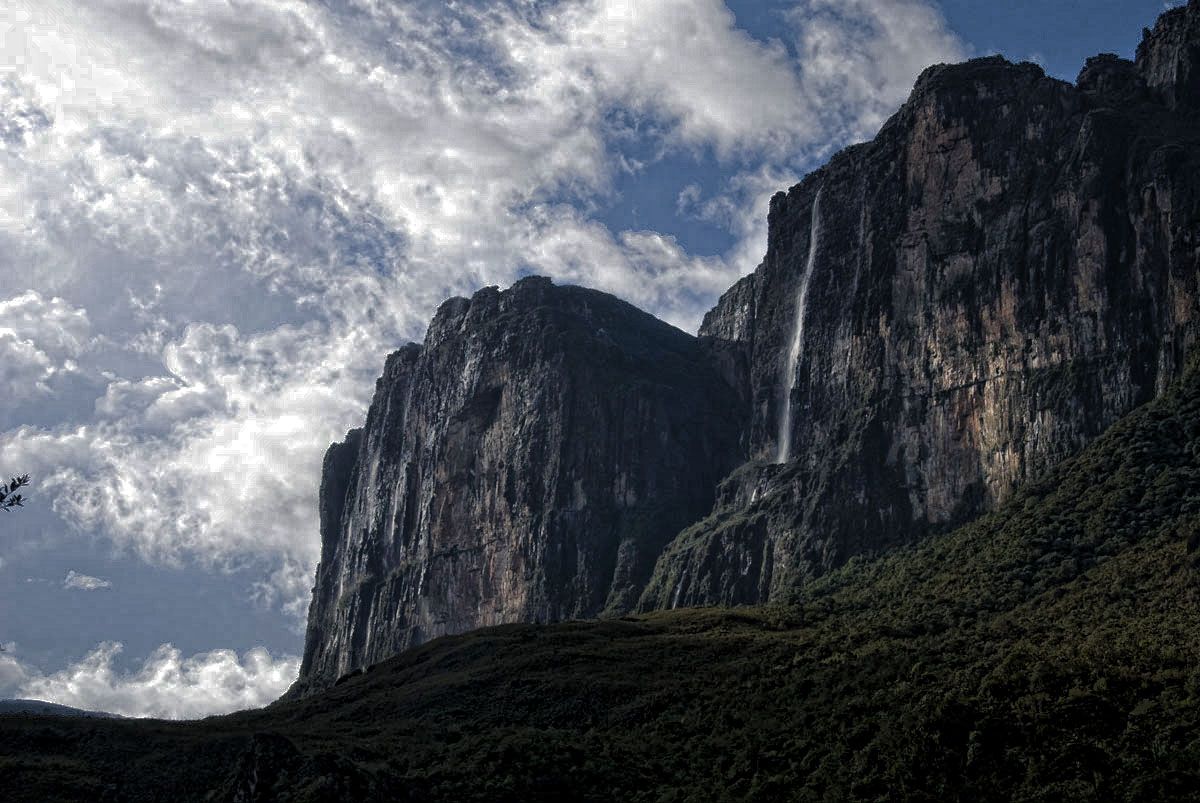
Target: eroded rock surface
x=1009, y=267
x=528, y=462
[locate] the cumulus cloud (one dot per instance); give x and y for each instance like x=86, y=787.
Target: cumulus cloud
x=682, y=63
x=167, y=685
x=58, y=327
x=860, y=56
x=233, y=211
x=41, y=340
x=12, y=671
x=85, y=582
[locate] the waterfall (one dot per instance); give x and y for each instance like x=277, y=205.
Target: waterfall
x=784, y=448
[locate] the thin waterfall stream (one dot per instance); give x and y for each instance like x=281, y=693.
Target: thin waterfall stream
x=784, y=441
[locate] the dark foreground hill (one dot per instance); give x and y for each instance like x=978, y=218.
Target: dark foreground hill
x=1049, y=651
x=49, y=709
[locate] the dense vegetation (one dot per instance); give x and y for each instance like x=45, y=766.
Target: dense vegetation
x=1049, y=651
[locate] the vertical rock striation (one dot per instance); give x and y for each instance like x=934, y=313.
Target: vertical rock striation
x=1010, y=266
x=1168, y=59
x=527, y=462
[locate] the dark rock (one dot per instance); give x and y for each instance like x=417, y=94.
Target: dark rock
x=1112, y=79
x=1169, y=57
x=528, y=462
x=335, y=481
x=1009, y=267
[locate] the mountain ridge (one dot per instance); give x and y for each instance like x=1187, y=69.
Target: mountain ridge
x=1047, y=651
x=43, y=708
x=1006, y=269
x=978, y=580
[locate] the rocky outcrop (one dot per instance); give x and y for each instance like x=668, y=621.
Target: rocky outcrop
x=1010, y=266
x=527, y=462
x=1168, y=58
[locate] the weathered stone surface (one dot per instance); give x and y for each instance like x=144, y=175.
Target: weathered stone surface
x=1169, y=57
x=1010, y=266
x=528, y=462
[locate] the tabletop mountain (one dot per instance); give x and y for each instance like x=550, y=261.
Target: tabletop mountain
x=943, y=314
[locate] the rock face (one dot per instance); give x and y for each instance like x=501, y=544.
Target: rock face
x=1168, y=58
x=527, y=462
x=1010, y=266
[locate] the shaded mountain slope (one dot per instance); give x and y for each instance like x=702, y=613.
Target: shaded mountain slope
x=41, y=707
x=1048, y=651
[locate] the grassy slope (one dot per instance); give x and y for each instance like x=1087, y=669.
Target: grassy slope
x=1049, y=651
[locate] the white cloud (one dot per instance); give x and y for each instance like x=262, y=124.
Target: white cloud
x=682, y=63
x=859, y=57
x=232, y=211
x=85, y=582
x=166, y=686
x=24, y=369
x=57, y=327
x=12, y=671
x=40, y=341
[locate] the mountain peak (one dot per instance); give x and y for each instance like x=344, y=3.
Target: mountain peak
x=1169, y=56
x=526, y=463
x=1008, y=268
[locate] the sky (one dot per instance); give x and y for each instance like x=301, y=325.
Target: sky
x=217, y=217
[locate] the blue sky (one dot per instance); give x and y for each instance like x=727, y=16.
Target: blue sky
x=1059, y=36
x=226, y=215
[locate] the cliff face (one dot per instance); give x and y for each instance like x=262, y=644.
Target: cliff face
x=526, y=463
x=1168, y=58
x=1009, y=267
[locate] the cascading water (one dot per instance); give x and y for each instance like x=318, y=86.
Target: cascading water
x=784, y=448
